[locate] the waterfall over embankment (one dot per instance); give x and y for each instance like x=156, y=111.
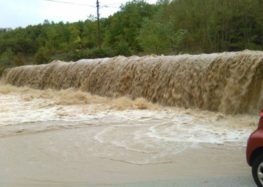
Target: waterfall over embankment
x=226, y=82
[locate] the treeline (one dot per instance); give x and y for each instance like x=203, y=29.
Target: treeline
x=168, y=27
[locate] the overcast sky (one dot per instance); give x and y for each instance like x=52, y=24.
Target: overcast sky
x=20, y=13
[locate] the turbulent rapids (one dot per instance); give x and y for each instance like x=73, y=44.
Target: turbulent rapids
x=224, y=82
x=57, y=113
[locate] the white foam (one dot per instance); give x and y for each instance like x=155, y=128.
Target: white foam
x=163, y=126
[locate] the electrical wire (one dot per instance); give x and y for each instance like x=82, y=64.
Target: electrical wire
x=71, y=3
x=112, y=5
x=109, y=6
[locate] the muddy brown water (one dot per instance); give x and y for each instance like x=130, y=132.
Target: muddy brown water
x=224, y=82
x=64, y=133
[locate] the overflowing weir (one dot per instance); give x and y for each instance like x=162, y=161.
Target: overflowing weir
x=226, y=82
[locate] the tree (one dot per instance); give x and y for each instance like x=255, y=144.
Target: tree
x=124, y=26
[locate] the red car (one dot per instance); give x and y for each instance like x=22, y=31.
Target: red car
x=255, y=152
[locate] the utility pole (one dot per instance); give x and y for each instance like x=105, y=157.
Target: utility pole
x=98, y=22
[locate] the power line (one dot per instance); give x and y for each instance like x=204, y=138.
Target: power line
x=84, y=4
x=70, y=2
x=109, y=6
x=113, y=4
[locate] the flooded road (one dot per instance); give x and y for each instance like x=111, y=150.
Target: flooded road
x=49, y=139
x=85, y=157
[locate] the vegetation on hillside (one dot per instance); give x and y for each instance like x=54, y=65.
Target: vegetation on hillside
x=168, y=27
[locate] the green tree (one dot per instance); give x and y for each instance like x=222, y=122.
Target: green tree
x=124, y=26
x=42, y=56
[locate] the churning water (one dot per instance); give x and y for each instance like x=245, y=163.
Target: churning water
x=130, y=124
x=226, y=82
